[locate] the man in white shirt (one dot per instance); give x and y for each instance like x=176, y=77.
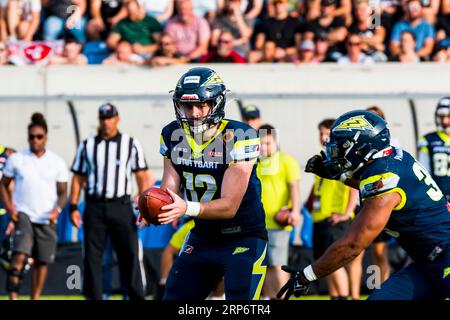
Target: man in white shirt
x=39, y=194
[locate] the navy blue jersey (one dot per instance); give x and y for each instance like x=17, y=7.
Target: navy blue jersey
x=434, y=154
x=421, y=222
x=202, y=168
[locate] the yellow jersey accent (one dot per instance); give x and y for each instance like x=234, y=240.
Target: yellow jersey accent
x=261, y=270
x=275, y=174
x=444, y=137
x=354, y=123
x=240, y=250
x=446, y=272
x=178, y=237
x=196, y=148
x=332, y=196
x=400, y=191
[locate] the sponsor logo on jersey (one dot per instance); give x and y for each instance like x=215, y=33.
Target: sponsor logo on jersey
x=215, y=153
x=188, y=249
x=354, y=123
x=240, y=250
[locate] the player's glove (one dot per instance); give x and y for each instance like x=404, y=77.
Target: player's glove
x=297, y=284
x=319, y=165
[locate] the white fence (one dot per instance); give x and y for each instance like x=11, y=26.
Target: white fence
x=293, y=98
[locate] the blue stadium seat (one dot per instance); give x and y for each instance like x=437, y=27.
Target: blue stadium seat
x=67, y=233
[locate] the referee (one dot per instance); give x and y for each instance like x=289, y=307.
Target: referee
x=103, y=165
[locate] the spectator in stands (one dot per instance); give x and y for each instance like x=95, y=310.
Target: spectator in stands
x=166, y=54
x=251, y=116
x=162, y=10
x=280, y=181
x=224, y=52
x=123, y=54
x=252, y=10
x=331, y=25
x=372, y=36
x=414, y=22
x=407, y=52
x=282, y=29
x=139, y=29
x=65, y=16
x=442, y=51
x=207, y=8
x=3, y=25
x=71, y=54
x=430, y=10
x=344, y=10
x=191, y=33
x=105, y=14
x=23, y=17
x=443, y=24
x=307, y=51
x=354, y=52
x=40, y=192
x=3, y=53
x=269, y=53
x=321, y=48
x=232, y=19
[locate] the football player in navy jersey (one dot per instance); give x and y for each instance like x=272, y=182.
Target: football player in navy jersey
x=214, y=161
x=434, y=148
x=398, y=195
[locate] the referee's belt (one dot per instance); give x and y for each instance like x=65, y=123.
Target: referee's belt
x=103, y=199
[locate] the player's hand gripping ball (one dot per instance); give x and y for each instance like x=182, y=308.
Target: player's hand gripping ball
x=150, y=203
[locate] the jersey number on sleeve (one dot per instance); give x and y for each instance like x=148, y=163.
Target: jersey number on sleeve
x=434, y=192
x=441, y=161
x=200, y=181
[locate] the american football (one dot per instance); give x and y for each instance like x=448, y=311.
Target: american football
x=150, y=203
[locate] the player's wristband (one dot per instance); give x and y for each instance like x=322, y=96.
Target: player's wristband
x=309, y=273
x=73, y=207
x=193, y=208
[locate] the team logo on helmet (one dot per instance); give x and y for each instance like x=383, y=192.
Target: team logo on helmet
x=213, y=79
x=354, y=123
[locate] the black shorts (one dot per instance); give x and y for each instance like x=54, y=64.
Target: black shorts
x=324, y=234
x=35, y=240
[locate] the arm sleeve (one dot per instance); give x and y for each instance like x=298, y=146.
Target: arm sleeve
x=204, y=31
x=138, y=161
x=377, y=184
x=36, y=6
x=246, y=149
x=79, y=165
x=396, y=32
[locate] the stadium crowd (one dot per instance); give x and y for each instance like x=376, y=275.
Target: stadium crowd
x=166, y=32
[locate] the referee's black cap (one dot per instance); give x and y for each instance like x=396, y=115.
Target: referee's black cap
x=107, y=110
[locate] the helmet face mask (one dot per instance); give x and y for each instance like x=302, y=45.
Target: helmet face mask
x=356, y=138
x=197, y=86
x=442, y=111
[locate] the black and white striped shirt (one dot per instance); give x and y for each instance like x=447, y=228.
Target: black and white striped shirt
x=108, y=165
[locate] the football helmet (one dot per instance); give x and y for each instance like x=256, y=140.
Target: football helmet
x=356, y=137
x=200, y=85
x=442, y=110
